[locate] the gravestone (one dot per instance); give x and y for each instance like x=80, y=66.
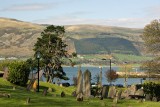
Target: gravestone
x=74, y=93
x=154, y=99
x=118, y=94
x=148, y=97
x=28, y=100
x=79, y=90
x=105, y=90
x=87, y=83
x=140, y=92
x=44, y=92
x=5, y=75
x=132, y=90
x=5, y=95
x=125, y=94
x=115, y=100
x=14, y=87
x=63, y=94
x=112, y=92
x=49, y=89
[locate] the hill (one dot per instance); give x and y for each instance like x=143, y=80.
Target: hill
x=17, y=38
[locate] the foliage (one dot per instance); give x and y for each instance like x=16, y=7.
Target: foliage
x=52, y=48
x=151, y=36
x=18, y=73
x=152, y=66
x=152, y=41
x=111, y=75
x=152, y=88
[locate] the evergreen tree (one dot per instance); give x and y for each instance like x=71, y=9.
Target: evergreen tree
x=52, y=48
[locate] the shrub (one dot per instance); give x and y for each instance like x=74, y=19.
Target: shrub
x=18, y=73
x=152, y=88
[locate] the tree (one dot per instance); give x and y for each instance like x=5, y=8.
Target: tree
x=151, y=37
x=53, y=50
x=111, y=75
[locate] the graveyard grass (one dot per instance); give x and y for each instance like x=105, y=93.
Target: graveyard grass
x=53, y=99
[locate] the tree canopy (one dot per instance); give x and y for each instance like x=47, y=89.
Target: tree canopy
x=52, y=49
x=151, y=37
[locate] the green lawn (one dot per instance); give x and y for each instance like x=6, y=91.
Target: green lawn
x=53, y=99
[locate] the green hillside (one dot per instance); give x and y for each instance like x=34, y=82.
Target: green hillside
x=105, y=45
x=17, y=38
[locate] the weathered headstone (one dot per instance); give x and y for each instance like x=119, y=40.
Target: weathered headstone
x=148, y=97
x=87, y=83
x=5, y=75
x=5, y=95
x=140, y=92
x=154, y=99
x=115, y=100
x=112, y=92
x=118, y=94
x=44, y=92
x=14, y=87
x=74, y=93
x=105, y=90
x=125, y=94
x=79, y=90
x=132, y=90
x=49, y=89
x=28, y=100
x=63, y=94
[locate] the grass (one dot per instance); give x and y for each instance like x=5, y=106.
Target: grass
x=124, y=57
x=19, y=96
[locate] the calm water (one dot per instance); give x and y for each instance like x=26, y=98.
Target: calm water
x=72, y=71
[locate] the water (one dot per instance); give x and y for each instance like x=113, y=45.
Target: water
x=72, y=71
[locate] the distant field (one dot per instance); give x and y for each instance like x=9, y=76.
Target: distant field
x=118, y=57
x=133, y=58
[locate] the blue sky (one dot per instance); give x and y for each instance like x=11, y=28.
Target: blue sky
x=124, y=13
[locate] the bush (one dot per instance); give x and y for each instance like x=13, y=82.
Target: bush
x=18, y=73
x=152, y=89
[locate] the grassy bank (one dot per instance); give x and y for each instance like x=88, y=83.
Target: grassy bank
x=53, y=99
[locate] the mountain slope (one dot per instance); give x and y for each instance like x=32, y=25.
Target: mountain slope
x=17, y=38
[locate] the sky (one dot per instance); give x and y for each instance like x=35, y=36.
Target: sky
x=122, y=13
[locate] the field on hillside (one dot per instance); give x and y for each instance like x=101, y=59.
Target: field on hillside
x=19, y=96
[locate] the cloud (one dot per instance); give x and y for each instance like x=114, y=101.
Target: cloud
x=121, y=22
x=29, y=7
